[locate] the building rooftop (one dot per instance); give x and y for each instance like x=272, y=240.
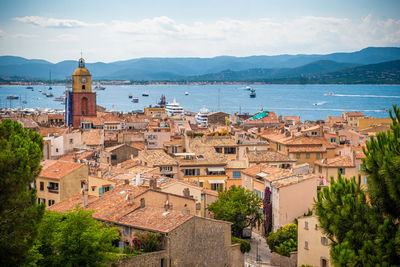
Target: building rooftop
x=339, y=161
x=294, y=180
x=155, y=219
x=267, y=156
x=157, y=157
x=58, y=169
x=94, y=137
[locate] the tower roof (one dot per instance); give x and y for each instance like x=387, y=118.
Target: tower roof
x=81, y=70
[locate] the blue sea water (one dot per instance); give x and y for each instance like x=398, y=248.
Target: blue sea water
x=286, y=100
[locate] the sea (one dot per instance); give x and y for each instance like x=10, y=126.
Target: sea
x=310, y=102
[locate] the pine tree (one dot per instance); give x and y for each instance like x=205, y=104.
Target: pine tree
x=366, y=232
x=20, y=155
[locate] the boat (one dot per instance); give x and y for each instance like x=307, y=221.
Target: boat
x=135, y=99
x=329, y=94
x=40, y=90
x=12, y=97
x=252, y=93
x=50, y=88
x=49, y=95
x=173, y=108
x=319, y=103
x=60, y=98
x=99, y=87
x=29, y=87
x=25, y=102
x=202, y=117
x=247, y=88
x=162, y=103
x=186, y=93
x=130, y=95
x=145, y=94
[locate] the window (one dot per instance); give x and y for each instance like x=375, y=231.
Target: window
x=318, y=155
x=297, y=155
x=307, y=155
x=41, y=200
x=56, y=150
x=217, y=187
x=342, y=170
x=51, y=202
x=306, y=245
x=53, y=187
x=191, y=172
x=365, y=180
x=127, y=231
x=316, y=226
x=201, y=184
x=83, y=87
x=174, y=149
x=41, y=186
x=324, y=241
x=152, y=144
x=230, y=150
x=306, y=225
x=236, y=174
x=113, y=157
x=166, y=169
x=314, y=133
x=320, y=169
x=218, y=149
x=359, y=167
x=93, y=188
x=106, y=188
x=71, y=141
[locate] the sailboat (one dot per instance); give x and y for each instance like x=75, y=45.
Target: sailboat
x=50, y=88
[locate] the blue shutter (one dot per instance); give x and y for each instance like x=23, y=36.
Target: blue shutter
x=101, y=190
x=111, y=187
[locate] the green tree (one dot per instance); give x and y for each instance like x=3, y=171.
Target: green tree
x=284, y=240
x=366, y=232
x=20, y=155
x=238, y=206
x=74, y=239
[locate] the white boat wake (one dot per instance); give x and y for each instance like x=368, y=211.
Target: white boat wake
x=374, y=96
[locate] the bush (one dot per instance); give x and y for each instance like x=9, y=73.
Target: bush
x=147, y=241
x=284, y=240
x=244, y=245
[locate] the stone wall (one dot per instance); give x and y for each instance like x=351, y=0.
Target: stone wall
x=236, y=256
x=279, y=260
x=152, y=259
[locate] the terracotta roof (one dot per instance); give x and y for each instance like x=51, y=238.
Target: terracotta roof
x=166, y=182
x=306, y=148
x=354, y=114
x=359, y=153
x=219, y=141
x=236, y=164
x=340, y=161
x=267, y=172
x=112, y=148
x=267, y=156
x=335, y=120
x=292, y=118
x=209, y=192
x=56, y=116
x=79, y=155
x=307, y=140
x=155, y=219
x=56, y=131
x=94, y=137
x=70, y=203
x=294, y=180
x=59, y=169
x=157, y=157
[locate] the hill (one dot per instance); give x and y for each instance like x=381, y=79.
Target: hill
x=153, y=69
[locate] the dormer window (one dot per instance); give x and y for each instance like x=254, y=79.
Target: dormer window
x=83, y=87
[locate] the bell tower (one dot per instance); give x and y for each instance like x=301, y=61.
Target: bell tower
x=81, y=102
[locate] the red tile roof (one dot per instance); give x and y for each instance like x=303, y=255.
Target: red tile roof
x=59, y=169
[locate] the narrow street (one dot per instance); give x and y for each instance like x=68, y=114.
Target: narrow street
x=259, y=247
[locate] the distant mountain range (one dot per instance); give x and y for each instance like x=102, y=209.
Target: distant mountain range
x=369, y=65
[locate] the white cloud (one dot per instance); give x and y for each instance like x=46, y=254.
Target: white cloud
x=2, y=33
x=65, y=38
x=25, y=36
x=55, y=23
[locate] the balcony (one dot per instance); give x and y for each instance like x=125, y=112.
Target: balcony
x=52, y=190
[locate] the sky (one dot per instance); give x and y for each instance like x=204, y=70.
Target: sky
x=115, y=30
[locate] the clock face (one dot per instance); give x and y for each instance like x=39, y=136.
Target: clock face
x=83, y=80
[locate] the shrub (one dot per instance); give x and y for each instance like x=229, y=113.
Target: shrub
x=284, y=240
x=147, y=242
x=244, y=245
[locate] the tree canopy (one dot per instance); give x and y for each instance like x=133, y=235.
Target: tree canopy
x=74, y=239
x=20, y=155
x=284, y=240
x=363, y=226
x=239, y=206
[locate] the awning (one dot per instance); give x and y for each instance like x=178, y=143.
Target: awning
x=201, y=181
x=216, y=181
x=216, y=169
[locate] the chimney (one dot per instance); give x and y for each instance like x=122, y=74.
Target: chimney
x=84, y=195
x=142, y=203
x=130, y=198
x=166, y=205
x=126, y=181
x=153, y=184
x=186, y=192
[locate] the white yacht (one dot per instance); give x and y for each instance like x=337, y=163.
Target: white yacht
x=173, y=108
x=202, y=117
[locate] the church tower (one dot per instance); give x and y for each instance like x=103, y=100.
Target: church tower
x=81, y=102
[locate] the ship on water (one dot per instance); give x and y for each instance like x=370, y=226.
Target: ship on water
x=173, y=108
x=202, y=117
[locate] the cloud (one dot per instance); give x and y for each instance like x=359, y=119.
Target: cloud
x=65, y=38
x=55, y=23
x=2, y=33
x=25, y=36
x=307, y=34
